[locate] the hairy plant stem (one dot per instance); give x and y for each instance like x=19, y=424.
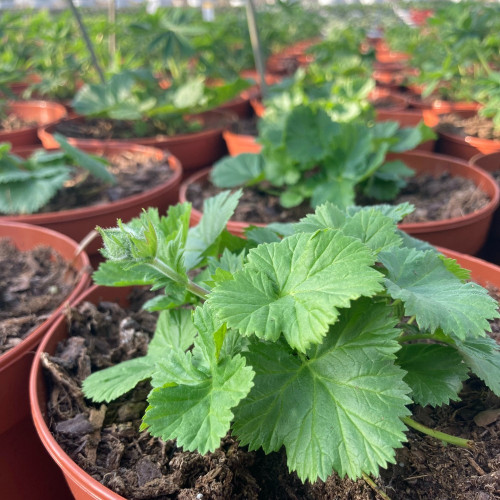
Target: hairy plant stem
x=375, y=487
x=167, y=271
x=442, y=436
x=424, y=336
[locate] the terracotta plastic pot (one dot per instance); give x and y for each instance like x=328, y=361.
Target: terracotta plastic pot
x=491, y=250
x=258, y=107
x=396, y=102
x=441, y=107
x=40, y=112
x=389, y=56
x=466, y=234
x=241, y=143
x=82, y=485
x=465, y=147
x=26, y=470
x=78, y=222
x=194, y=150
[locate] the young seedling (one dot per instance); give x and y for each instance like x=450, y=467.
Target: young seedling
x=315, y=336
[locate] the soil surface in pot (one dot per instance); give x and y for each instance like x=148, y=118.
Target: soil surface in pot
x=134, y=173
x=32, y=285
x=475, y=126
x=435, y=198
x=246, y=126
x=101, y=128
x=13, y=122
x=105, y=441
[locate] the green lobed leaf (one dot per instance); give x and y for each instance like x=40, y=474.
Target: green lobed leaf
x=113, y=382
x=241, y=170
x=216, y=213
x=340, y=408
x=198, y=414
x=482, y=356
x=295, y=287
x=435, y=296
x=25, y=192
x=434, y=372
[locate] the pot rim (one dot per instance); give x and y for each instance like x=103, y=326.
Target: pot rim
x=78, y=213
x=415, y=227
x=81, y=282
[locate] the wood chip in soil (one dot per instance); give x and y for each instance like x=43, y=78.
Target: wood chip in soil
x=13, y=122
x=435, y=198
x=32, y=285
x=105, y=441
x=135, y=173
x=475, y=126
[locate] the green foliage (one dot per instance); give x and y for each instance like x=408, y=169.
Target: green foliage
x=137, y=96
x=295, y=340
x=28, y=185
x=308, y=156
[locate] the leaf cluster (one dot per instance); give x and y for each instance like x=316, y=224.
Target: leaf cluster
x=26, y=185
x=137, y=96
x=316, y=341
x=309, y=156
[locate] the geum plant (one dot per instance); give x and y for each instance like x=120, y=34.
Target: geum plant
x=308, y=156
x=136, y=96
x=318, y=341
x=26, y=185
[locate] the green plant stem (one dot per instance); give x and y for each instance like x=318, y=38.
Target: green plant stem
x=442, y=436
x=423, y=336
x=192, y=287
x=374, y=487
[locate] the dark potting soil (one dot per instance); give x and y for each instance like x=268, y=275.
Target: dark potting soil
x=476, y=126
x=105, y=441
x=435, y=198
x=100, y=128
x=246, y=126
x=134, y=173
x=32, y=285
x=13, y=122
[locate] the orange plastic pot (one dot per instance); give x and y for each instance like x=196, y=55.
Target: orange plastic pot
x=396, y=100
x=441, y=107
x=78, y=222
x=491, y=251
x=465, y=147
x=26, y=470
x=466, y=234
x=389, y=56
x=241, y=143
x=82, y=486
x=258, y=107
x=40, y=112
x=194, y=150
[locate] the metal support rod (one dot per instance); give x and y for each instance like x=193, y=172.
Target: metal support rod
x=256, y=46
x=87, y=41
x=112, y=25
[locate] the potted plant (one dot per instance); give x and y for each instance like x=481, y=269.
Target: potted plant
x=42, y=273
x=330, y=320
x=132, y=107
x=21, y=119
x=71, y=191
